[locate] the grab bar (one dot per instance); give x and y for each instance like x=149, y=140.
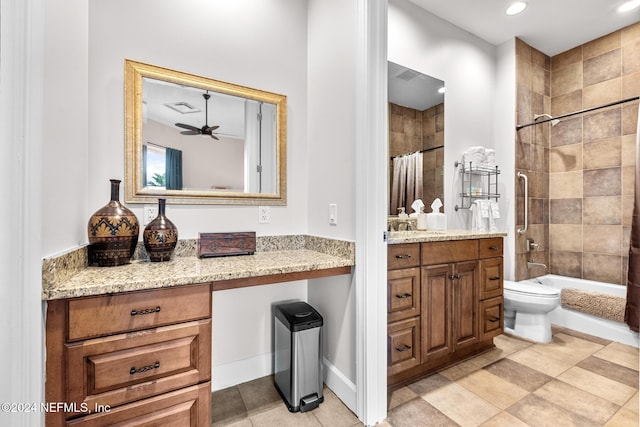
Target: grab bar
x=526, y=203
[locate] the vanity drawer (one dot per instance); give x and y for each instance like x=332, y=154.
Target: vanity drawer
x=403, y=345
x=188, y=407
x=122, y=368
x=110, y=314
x=403, y=294
x=491, y=317
x=403, y=255
x=491, y=280
x=491, y=247
x=451, y=251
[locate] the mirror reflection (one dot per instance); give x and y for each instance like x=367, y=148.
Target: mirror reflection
x=416, y=138
x=197, y=140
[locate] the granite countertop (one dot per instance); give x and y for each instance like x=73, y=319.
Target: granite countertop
x=69, y=276
x=416, y=236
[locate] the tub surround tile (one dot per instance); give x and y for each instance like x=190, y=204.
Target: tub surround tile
x=565, y=263
x=565, y=158
x=601, y=125
x=603, y=68
x=567, y=103
x=602, y=45
x=563, y=185
x=602, y=210
x=566, y=58
x=602, y=182
x=567, y=79
x=602, y=93
x=565, y=237
x=604, y=153
x=602, y=239
x=602, y=268
x=565, y=211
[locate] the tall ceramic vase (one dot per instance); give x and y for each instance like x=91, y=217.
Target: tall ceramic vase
x=160, y=236
x=113, y=232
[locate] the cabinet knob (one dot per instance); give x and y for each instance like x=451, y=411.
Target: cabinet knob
x=405, y=256
x=403, y=348
x=402, y=296
x=454, y=276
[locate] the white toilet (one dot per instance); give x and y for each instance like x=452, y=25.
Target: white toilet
x=526, y=308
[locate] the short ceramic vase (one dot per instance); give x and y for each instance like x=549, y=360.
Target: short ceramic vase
x=160, y=236
x=113, y=232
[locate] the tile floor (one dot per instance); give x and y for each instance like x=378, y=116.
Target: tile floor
x=576, y=380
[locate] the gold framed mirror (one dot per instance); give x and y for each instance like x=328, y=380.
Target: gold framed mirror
x=195, y=140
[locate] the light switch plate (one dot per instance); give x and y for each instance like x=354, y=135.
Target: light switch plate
x=333, y=214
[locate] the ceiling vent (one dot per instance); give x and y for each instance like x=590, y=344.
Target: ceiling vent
x=407, y=75
x=183, y=107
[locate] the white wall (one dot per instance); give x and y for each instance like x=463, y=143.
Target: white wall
x=426, y=43
x=331, y=166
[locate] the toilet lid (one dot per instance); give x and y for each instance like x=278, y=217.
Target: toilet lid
x=530, y=289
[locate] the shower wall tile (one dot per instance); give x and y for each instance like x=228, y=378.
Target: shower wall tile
x=601, y=45
x=604, y=124
x=625, y=270
x=631, y=33
x=630, y=119
x=523, y=155
x=602, y=182
x=565, y=211
x=631, y=57
x=566, y=103
x=566, y=263
x=602, y=239
x=567, y=132
x=628, y=180
x=631, y=85
x=602, y=154
x=565, y=158
x=602, y=210
x=563, y=185
x=603, y=67
x=602, y=93
x=628, y=150
x=565, y=237
x=627, y=210
x=564, y=59
x=567, y=79
x=602, y=268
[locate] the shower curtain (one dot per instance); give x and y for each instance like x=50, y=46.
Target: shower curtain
x=632, y=309
x=406, y=185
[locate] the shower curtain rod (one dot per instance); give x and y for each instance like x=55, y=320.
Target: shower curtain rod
x=419, y=151
x=611, y=104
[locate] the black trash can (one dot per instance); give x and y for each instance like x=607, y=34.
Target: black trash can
x=298, y=355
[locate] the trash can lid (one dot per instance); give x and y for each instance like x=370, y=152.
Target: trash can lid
x=298, y=316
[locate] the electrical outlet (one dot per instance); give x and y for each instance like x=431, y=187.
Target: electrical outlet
x=150, y=213
x=264, y=214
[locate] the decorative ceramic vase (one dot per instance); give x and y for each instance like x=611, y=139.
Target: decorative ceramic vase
x=113, y=232
x=160, y=236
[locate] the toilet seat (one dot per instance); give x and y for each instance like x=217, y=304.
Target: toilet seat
x=540, y=291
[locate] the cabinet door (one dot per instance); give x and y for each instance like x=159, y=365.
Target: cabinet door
x=403, y=294
x=465, y=304
x=436, y=311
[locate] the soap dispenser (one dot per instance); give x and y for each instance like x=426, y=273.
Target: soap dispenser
x=422, y=220
x=436, y=220
x=402, y=214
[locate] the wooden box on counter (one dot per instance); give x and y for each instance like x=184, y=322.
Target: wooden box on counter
x=226, y=244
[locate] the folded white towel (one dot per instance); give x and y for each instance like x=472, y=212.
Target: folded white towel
x=495, y=210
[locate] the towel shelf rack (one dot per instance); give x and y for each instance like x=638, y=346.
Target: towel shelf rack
x=477, y=183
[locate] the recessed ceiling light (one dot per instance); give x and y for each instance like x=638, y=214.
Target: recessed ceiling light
x=629, y=5
x=516, y=7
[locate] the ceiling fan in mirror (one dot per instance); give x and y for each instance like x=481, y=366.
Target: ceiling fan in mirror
x=204, y=130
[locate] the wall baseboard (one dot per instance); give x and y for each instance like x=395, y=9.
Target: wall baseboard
x=245, y=370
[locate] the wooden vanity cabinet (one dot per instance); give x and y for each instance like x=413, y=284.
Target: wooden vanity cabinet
x=135, y=358
x=460, y=298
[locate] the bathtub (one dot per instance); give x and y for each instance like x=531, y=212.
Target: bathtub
x=586, y=323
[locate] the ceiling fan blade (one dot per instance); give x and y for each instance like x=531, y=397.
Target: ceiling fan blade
x=189, y=127
x=211, y=128
x=215, y=137
x=190, y=132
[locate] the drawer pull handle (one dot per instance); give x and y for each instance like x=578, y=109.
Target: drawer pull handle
x=135, y=370
x=494, y=278
x=494, y=320
x=454, y=276
x=402, y=296
x=145, y=311
x=494, y=248
x=405, y=256
x=404, y=348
